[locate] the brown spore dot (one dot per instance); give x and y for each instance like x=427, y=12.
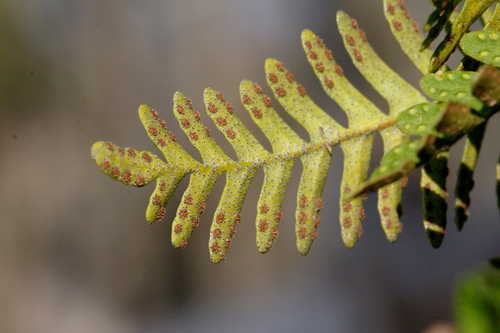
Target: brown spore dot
x=202, y=206
x=154, y=114
x=354, y=23
x=302, y=217
x=362, y=35
x=163, y=186
x=390, y=9
x=140, y=181
x=183, y=213
x=386, y=211
x=220, y=218
x=302, y=233
x=303, y=201
x=346, y=206
x=274, y=233
x=329, y=83
x=105, y=165
x=320, y=42
x=227, y=244
x=178, y=228
x=320, y=67
x=317, y=221
x=160, y=215
x=397, y=25
x=146, y=157
x=163, y=123
x=361, y=213
x=221, y=121
x=264, y=209
x=314, y=234
x=280, y=67
x=318, y=203
x=273, y=77
x=246, y=99
x=212, y=108
x=172, y=136
x=197, y=116
x=290, y=77
x=215, y=248
x=301, y=90
x=237, y=218
x=217, y=233
x=257, y=88
x=350, y=40
x=161, y=142
x=152, y=131
x=193, y=136
x=357, y=55
x=339, y=70
x=219, y=96
x=329, y=54
x=185, y=123
x=229, y=108
x=267, y=101
x=131, y=152
x=179, y=109
x=121, y=151
x=115, y=172
x=127, y=176
x=278, y=216
x=280, y=91
x=308, y=44
x=257, y=113
x=415, y=26
x=263, y=225
x=188, y=200
x=230, y=134
x=110, y=146
x=313, y=55
x=347, y=222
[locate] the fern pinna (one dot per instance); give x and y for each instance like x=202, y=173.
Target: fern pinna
x=414, y=132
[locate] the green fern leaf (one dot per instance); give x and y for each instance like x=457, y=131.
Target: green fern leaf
x=483, y=45
x=434, y=125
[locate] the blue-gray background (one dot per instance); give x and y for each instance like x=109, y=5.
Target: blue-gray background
x=76, y=254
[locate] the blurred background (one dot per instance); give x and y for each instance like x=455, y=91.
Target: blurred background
x=76, y=254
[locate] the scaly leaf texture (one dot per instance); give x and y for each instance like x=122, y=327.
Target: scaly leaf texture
x=471, y=10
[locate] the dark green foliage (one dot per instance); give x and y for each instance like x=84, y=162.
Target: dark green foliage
x=477, y=301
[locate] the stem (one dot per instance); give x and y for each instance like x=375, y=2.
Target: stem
x=307, y=149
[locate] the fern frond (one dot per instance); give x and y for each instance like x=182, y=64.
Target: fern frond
x=413, y=132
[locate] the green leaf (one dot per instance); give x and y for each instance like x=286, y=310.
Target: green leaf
x=451, y=86
x=421, y=119
x=482, y=45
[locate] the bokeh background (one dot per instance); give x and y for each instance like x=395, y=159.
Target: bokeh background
x=76, y=254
